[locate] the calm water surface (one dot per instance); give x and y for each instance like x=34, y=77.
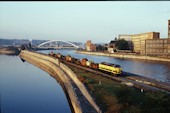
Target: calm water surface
x=25, y=88
x=151, y=69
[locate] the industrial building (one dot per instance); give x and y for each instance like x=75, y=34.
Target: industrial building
x=90, y=46
x=148, y=43
x=158, y=47
x=138, y=41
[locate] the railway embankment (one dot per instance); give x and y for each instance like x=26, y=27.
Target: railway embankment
x=80, y=99
x=115, y=97
x=124, y=56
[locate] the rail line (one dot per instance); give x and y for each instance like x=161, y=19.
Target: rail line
x=129, y=79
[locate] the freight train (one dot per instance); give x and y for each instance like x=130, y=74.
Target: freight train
x=114, y=69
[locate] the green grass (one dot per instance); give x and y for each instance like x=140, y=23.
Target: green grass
x=113, y=97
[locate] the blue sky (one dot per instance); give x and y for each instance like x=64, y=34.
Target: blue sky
x=80, y=21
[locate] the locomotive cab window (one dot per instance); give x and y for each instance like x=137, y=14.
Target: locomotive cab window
x=117, y=66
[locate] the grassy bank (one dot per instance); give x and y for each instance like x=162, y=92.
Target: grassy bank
x=113, y=97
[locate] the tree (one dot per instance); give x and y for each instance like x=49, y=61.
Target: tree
x=100, y=48
x=122, y=44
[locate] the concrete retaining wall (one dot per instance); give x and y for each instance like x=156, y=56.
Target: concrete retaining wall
x=80, y=85
x=53, y=63
x=67, y=84
x=124, y=56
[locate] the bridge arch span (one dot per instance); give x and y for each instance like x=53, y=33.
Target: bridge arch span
x=57, y=41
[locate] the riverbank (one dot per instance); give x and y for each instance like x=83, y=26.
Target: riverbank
x=124, y=56
x=78, y=94
x=9, y=50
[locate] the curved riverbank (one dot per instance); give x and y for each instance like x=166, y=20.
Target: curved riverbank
x=124, y=56
x=67, y=77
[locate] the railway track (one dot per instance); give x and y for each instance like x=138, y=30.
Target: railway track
x=132, y=80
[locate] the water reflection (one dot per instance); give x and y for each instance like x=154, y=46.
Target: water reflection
x=152, y=69
x=27, y=89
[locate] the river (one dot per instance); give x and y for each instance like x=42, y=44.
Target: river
x=151, y=69
x=25, y=88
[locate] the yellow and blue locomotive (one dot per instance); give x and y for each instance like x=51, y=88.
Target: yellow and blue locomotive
x=108, y=67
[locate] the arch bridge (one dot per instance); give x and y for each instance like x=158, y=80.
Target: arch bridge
x=58, y=41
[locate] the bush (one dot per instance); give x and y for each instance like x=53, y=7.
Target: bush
x=122, y=44
x=156, y=103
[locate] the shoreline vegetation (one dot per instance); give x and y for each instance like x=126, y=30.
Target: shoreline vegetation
x=10, y=50
x=113, y=97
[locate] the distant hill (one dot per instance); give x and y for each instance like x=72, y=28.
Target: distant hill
x=19, y=41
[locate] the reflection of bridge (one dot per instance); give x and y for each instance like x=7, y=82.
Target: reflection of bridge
x=71, y=45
